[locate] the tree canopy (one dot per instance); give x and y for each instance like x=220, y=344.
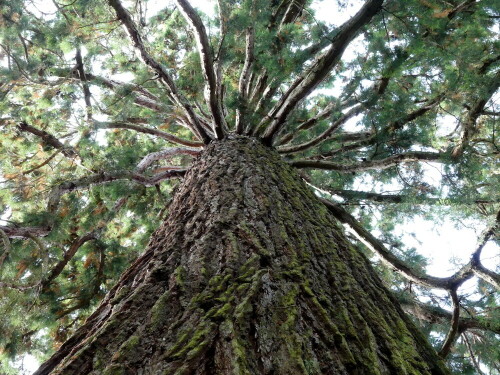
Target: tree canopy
x=104, y=105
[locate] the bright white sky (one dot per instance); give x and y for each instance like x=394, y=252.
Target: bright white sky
x=439, y=242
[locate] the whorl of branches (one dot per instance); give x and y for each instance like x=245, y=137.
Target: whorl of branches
x=162, y=73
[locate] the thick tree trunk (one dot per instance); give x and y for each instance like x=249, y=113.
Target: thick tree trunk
x=248, y=275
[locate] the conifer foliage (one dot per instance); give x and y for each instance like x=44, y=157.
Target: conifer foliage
x=106, y=105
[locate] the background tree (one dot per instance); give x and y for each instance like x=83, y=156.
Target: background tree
x=106, y=105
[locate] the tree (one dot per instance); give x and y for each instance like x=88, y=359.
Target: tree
x=243, y=137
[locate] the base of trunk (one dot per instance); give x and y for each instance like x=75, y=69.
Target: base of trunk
x=248, y=275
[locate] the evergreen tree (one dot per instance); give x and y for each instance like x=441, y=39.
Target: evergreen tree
x=174, y=184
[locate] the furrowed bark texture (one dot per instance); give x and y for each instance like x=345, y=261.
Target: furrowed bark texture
x=249, y=274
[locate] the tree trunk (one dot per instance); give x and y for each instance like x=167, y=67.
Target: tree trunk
x=249, y=274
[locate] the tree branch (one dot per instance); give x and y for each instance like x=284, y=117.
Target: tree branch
x=438, y=315
x=6, y=248
x=477, y=267
x=144, y=98
x=455, y=320
x=358, y=195
x=68, y=255
x=385, y=255
x=309, y=123
x=447, y=283
x=469, y=124
x=471, y=353
x=374, y=92
x=104, y=177
x=368, y=140
x=25, y=232
x=48, y=139
x=212, y=90
x=320, y=138
x=142, y=129
x=163, y=154
x=86, y=91
x=390, y=161
x=244, y=80
x=266, y=86
x=45, y=162
x=319, y=69
x=164, y=76
x=487, y=275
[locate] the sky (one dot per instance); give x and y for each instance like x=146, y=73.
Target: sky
x=439, y=242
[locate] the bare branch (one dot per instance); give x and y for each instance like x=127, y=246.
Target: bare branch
x=487, y=63
x=47, y=161
x=266, y=86
x=448, y=283
x=221, y=49
x=143, y=98
x=48, y=139
x=438, y=315
x=319, y=69
x=68, y=255
x=471, y=353
x=368, y=140
x=351, y=136
x=25, y=232
x=164, y=76
x=19, y=286
x=212, y=92
x=388, y=162
x=292, y=12
x=86, y=91
x=258, y=91
x=490, y=277
x=323, y=114
x=358, y=195
x=452, y=334
x=164, y=154
x=142, y=129
x=413, y=115
x=385, y=255
x=375, y=92
x=104, y=177
x=477, y=267
x=244, y=80
x=460, y=7
x=320, y=138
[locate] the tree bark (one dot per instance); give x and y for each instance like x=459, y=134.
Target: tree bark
x=249, y=274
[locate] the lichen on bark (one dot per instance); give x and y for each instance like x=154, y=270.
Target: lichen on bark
x=249, y=274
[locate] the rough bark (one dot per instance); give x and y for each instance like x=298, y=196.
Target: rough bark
x=249, y=274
